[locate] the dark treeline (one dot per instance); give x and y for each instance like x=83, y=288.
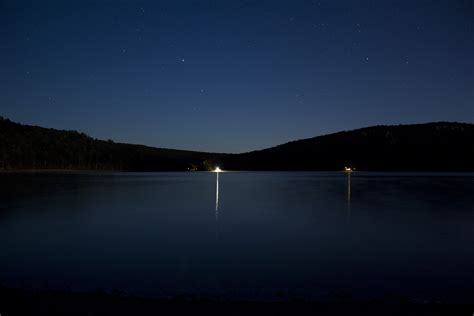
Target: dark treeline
x=438, y=146
x=32, y=147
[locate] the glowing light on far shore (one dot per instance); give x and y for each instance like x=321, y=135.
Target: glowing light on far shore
x=217, y=169
x=348, y=169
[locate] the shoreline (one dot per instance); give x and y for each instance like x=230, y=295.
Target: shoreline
x=16, y=301
x=95, y=171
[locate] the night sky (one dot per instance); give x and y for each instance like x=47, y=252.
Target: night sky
x=233, y=76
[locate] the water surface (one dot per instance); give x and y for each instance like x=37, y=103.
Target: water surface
x=252, y=235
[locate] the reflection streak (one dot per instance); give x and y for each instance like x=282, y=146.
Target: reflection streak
x=348, y=195
x=217, y=195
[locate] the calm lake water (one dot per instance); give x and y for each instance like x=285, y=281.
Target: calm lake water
x=261, y=235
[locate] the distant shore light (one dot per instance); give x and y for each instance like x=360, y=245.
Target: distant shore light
x=217, y=169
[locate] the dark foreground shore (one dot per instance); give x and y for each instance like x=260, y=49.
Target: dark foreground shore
x=56, y=302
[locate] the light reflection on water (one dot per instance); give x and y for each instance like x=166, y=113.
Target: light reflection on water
x=217, y=196
x=348, y=196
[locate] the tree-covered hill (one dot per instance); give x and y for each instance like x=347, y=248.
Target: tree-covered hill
x=32, y=147
x=440, y=146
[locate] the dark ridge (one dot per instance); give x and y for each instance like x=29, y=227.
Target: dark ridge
x=32, y=147
x=439, y=146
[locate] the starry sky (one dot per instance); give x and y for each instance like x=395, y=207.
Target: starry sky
x=234, y=76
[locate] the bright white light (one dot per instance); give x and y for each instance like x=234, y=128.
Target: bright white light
x=217, y=169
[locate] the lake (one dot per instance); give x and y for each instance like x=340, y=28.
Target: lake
x=242, y=235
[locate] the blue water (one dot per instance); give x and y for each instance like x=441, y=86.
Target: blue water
x=263, y=235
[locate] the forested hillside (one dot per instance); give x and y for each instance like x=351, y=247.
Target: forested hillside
x=32, y=147
x=440, y=146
